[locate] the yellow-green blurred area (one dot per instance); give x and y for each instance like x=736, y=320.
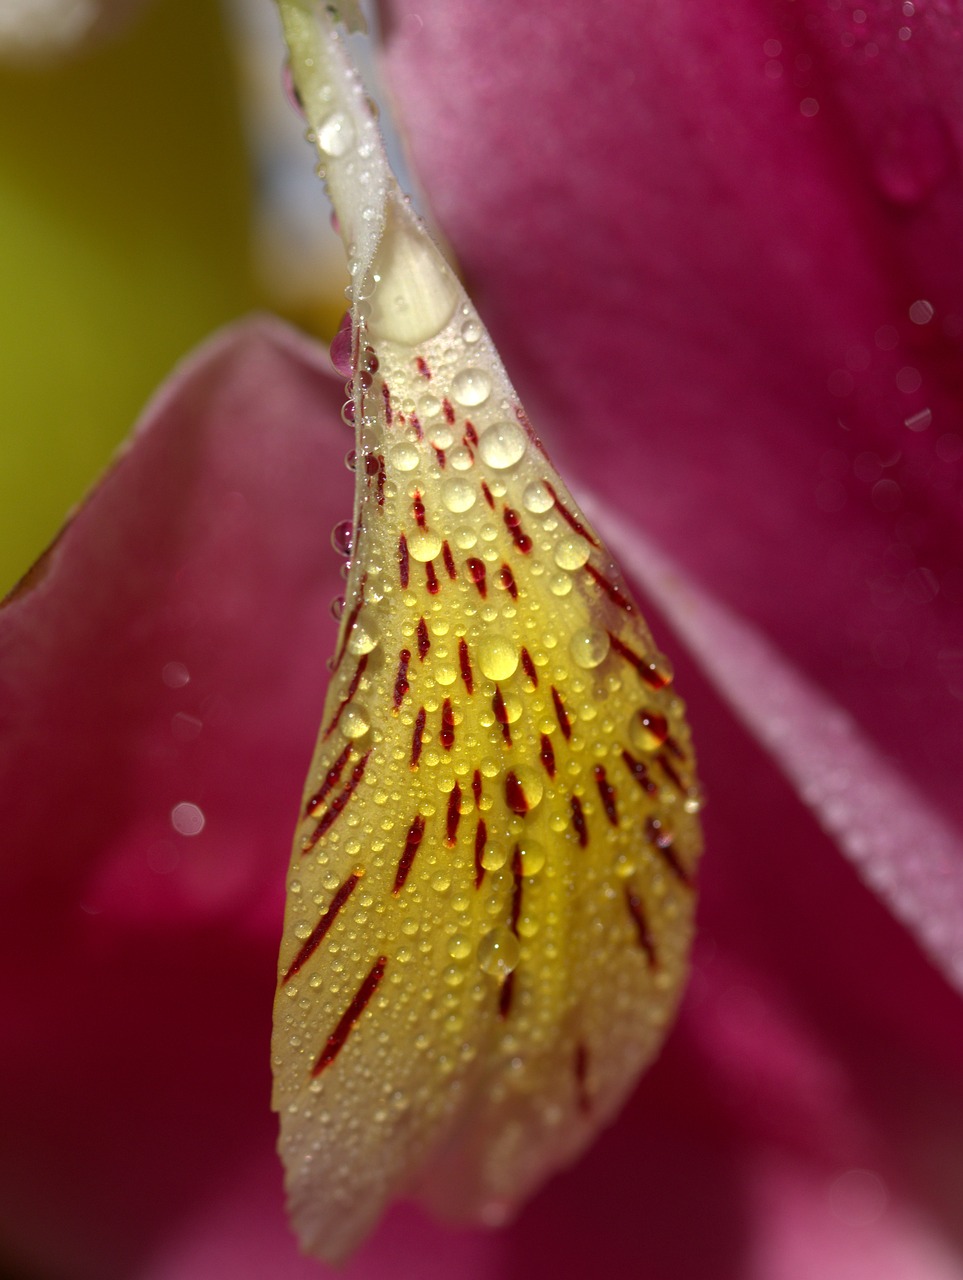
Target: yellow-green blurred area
x=124, y=216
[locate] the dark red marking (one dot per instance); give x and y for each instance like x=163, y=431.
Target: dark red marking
x=476, y=571
x=518, y=879
x=505, y=994
x=337, y=806
x=424, y=644
x=488, y=495
x=386, y=396
x=419, y=509
x=470, y=438
x=637, y=912
x=611, y=590
x=640, y=773
x=662, y=840
x=501, y=715
x=453, y=816
x=413, y=840
x=351, y=620
x=481, y=839
x=449, y=560
x=422, y=367
x=316, y=936
x=417, y=425
x=571, y=520
x=417, y=737
x=607, y=794
x=563, y=721
x=581, y=1078
x=515, y=796
x=350, y=1016
x=528, y=666
x=642, y=665
x=670, y=772
x=676, y=750
x=447, y=725
x=431, y=578
x=448, y=411
x=506, y=580
x=547, y=755
x=440, y=456
x=330, y=779
x=401, y=680
x=578, y=821
x=655, y=724
x=464, y=661
x=352, y=690
x=370, y=466
x=513, y=523
x=404, y=563
x=381, y=480
x=476, y=787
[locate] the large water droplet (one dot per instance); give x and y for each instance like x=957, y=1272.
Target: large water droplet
x=355, y=721
x=499, y=952
x=424, y=544
x=497, y=658
x=571, y=552
x=648, y=730
x=336, y=135
x=537, y=498
x=589, y=648
x=459, y=495
x=471, y=387
x=502, y=445
x=342, y=536
x=362, y=639
x=403, y=456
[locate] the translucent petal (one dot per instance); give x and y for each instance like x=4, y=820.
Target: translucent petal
x=491, y=891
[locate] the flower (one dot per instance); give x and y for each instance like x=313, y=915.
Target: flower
x=804, y=1119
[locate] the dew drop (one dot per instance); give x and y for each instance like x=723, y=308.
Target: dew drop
x=423, y=544
x=336, y=135
x=403, y=456
x=471, y=331
x=589, y=648
x=571, y=553
x=499, y=952
x=560, y=584
x=337, y=607
x=494, y=856
x=471, y=387
x=428, y=407
x=362, y=639
x=648, y=730
x=342, y=536
x=502, y=445
x=355, y=722
x=458, y=495
x=497, y=658
x=460, y=458
x=459, y=947
x=537, y=498
x=531, y=852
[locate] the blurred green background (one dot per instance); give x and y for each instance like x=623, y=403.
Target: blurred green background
x=124, y=239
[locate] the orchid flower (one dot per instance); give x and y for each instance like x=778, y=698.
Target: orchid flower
x=804, y=1119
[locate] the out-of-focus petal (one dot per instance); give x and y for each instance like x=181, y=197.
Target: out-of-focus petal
x=158, y=702
x=37, y=30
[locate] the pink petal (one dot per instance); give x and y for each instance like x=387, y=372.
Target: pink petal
x=698, y=238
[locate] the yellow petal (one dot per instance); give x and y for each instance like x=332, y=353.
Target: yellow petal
x=491, y=891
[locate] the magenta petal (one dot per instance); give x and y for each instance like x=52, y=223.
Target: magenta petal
x=162, y=669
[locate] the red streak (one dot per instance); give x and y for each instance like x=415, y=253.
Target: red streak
x=476, y=787
x=417, y=425
x=505, y=993
x=476, y=571
x=453, y=816
x=417, y=737
x=386, y=396
x=513, y=523
x=662, y=840
x=481, y=839
x=670, y=772
x=424, y=644
x=401, y=680
x=501, y=715
x=506, y=580
x=547, y=755
x=419, y=509
x=514, y=794
x=403, y=561
x=350, y=1016
x=607, y=794
x=381, y=480
x=637, y=912
x=440, y=456
x=517, y=883
x=611, y=590
x=566, y=515
x=563, y=721
x=448, y=410
x=337, y=806
x=464, y=661
x=352, y=690
x=415, y=832
x=639, y=773
x=449, y=560
x=470, y=438
x=422, y=367
x=644, y=668
x=447, y=725
x=351, y=620
x=488, y=495
x=528, y=666
x=578, y=821
x=431, y=578
x=330, y=779
x=316, y=936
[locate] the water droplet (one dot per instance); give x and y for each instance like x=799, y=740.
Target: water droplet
x=660, y=671
x=532, y=853
x=403, y=456
x=471, y=387
x=471, y=331
x=290, y=89
x=428, y=407
x=337, y=607
x=460, y=458
x=175, y=675
x=342, y=536
x=423, y=544
x=648, y=730
x=497, y=658
x=560, y=584
x=459, y=947
x=336, y=135
x=351, y=460
x=458, y=495
x=499, y=952
x=571, y=553
x=355, y=722
x=502, y=445
x=340, y=349
x=363, y=638
x=187, y=819
x=537, y=498
x=494, y=856
x=589, y=648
